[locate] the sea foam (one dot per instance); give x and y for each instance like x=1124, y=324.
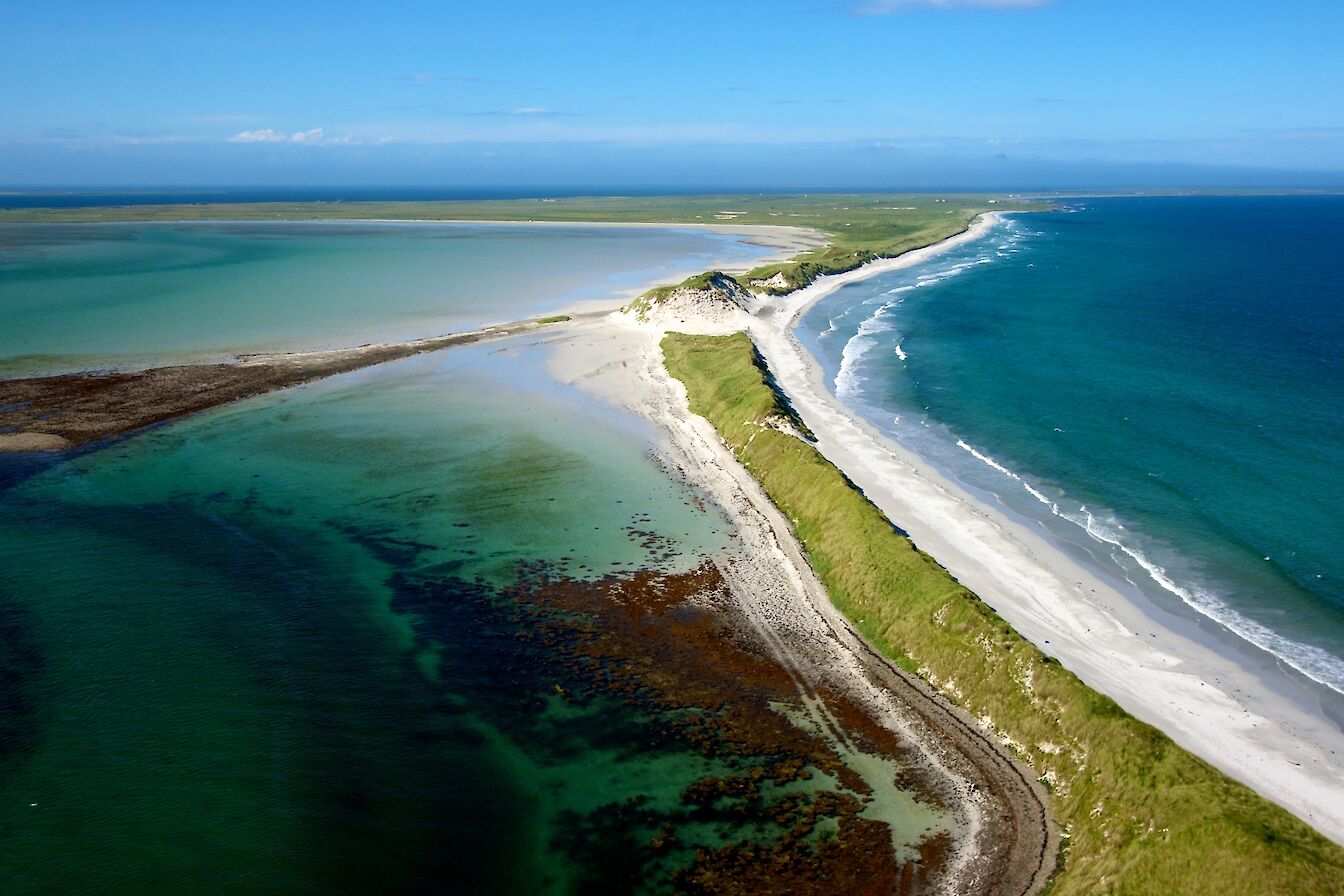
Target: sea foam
x=1317, y=664
x=848, y=378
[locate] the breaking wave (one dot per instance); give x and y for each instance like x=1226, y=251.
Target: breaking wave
x=1313, y=662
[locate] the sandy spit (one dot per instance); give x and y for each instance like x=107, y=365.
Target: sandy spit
x=776, y=590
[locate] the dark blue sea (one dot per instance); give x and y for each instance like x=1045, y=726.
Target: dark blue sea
x=1156, y=382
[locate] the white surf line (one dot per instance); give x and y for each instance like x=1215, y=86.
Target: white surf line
x=1201, y=699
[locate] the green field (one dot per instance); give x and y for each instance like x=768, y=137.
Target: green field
x=1142, y=815
x=858, y=227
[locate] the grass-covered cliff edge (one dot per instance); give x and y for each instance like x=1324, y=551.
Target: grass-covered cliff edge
x=1143, y=816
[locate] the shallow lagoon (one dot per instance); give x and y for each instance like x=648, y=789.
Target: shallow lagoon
x=273, y=648
x=216, y=685
x=269, y=649
x=87, y=296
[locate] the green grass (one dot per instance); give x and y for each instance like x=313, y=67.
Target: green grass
x=1168, y=823
x=698, y=281
x=707, y=280
x=827, y=212
x=553, y=319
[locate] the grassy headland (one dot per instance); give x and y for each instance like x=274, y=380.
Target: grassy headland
x=1143, y=816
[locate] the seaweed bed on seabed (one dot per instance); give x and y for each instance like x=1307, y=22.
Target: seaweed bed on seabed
x=666, y=648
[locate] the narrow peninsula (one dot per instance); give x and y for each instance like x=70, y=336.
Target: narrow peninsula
x=1053, y=786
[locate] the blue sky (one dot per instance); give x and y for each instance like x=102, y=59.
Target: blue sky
x=880, y=93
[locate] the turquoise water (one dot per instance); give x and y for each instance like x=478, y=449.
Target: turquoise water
x=1156, y=382
x=84, y=296
x=220, y=677
x=272, y=648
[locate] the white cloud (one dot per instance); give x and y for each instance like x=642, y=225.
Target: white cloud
x=313, y=136
x=265, y=135
x=531, y=110
x=881, y=7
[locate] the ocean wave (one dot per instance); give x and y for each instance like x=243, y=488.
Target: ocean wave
x=1014, y=238
x=1317, y=664
x=847, y=378
x=1054, y=508
x=987, y=460
x=946, y=273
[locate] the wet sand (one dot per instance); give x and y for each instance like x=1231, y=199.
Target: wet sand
x=54, y=413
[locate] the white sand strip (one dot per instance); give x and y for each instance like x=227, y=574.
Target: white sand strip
x=1203, y=700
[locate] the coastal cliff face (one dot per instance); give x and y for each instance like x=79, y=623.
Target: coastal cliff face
x=714, y=298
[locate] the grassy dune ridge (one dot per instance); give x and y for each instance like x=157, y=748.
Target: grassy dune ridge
x=1143, y=816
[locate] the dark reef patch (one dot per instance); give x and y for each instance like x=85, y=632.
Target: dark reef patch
x=645, y=661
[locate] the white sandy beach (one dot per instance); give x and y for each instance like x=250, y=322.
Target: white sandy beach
x=1111, y=638
x=1203, y=700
